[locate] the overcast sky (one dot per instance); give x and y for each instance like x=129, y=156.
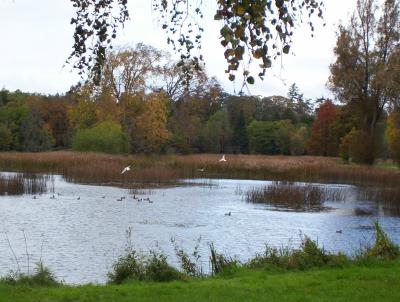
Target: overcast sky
x=36, y=39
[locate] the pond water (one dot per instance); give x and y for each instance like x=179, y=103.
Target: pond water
x=81, y=232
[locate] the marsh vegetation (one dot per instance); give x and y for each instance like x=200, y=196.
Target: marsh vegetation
x=23, y=183
x=97, y=168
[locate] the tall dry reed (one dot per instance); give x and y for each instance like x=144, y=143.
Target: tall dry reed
x=292, y=196
x=167, y=169
x=19, y=184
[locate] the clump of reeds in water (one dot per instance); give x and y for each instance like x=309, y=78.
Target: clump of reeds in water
x=292, y=196
x=387, y=197
x=19, y=184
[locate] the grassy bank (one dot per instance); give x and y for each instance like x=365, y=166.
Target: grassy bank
x=166, y=169
x=378, y=281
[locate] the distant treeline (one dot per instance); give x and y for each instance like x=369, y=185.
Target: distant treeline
x=154, y=123
x=154, y=106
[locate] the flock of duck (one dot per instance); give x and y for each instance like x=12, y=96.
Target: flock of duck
x=119, y=199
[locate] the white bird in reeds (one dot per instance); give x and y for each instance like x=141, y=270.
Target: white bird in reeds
x=223, y=159
x=126, y=169
x=201, y=170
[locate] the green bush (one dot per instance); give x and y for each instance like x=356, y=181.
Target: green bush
x=105, y=137
x=308, y=256
x=383, y=248
x=131, y=266
x=41, y=277
x=157, y=269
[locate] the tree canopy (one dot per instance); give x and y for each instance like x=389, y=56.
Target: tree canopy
x=250, y=30
x=366, y=69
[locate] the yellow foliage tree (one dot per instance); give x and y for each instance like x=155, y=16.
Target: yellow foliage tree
x=151, y=124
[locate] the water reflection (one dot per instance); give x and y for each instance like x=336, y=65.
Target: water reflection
x=80, y=239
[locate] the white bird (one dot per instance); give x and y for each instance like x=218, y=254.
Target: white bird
x=126, y=169
x=222, y=158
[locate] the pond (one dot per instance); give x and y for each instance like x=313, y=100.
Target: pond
x=81, y=230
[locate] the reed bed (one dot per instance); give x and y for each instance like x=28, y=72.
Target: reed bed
x=98, y=168
x=387, y=197
x=298, y=197
x=23, y=184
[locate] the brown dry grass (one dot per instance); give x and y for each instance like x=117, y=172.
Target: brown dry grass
x=166, y=169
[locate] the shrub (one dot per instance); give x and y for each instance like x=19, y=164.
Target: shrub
x=41, y=277
x=383, y=248
x=105, y=137
x=308, y=256
x=157, y=269
x=132, y=266
x=128, y=266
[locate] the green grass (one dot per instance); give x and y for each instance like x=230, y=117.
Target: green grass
x=370, y=282
x=388, y=164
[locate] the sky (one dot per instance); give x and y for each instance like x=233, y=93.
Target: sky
x=36, y=39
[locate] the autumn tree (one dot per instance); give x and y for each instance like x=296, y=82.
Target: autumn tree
x=151, y=133
x=179, y=81
x=250, y=30
x=83, y=114
x=130, y=71
x=366, y=65
x=393, y=135
x=56, y=120
x=324, y=140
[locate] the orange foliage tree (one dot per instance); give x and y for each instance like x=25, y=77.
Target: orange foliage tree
x=324, y=138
